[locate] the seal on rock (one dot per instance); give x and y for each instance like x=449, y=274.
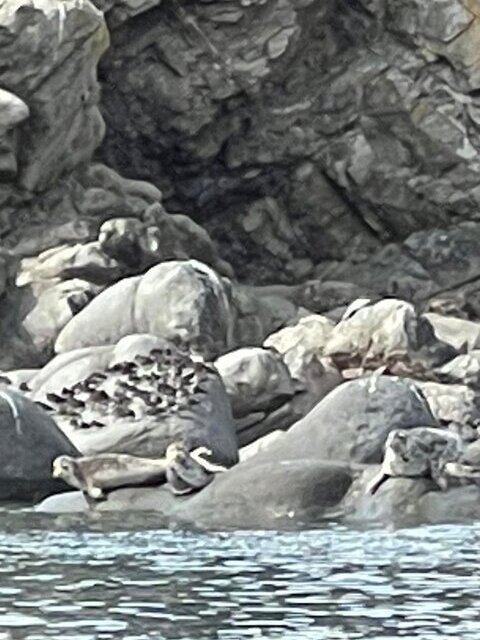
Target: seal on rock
x=418, y=452
x=185, y=471
x=95, y=474
x=189, y=471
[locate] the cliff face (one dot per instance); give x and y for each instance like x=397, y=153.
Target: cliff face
x=300, y=131
x=304, y=141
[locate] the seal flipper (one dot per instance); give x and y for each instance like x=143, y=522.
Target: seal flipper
x=95, y=493
x=376, y=482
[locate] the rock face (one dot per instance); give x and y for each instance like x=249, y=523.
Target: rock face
x=30, y=442
x=347, y=164
x=49, y=50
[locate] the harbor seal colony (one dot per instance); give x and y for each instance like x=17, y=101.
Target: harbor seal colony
x=418, y=452
x=185, y=471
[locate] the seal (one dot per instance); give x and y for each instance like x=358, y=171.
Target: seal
x=418, y=452
x=185, y=471
x=189, y=471
x=94, y=475
x=468, y=465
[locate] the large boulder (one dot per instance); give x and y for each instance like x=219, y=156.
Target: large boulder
x=352, y=422
x=455, y=406
x=185, y=300
x=268, y=495
x=386, y=332
x=30, y=442
x=137, y=397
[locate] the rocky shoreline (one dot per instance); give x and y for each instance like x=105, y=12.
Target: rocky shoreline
x=291, y=331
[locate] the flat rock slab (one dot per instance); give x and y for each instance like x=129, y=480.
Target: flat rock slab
x=247, y=496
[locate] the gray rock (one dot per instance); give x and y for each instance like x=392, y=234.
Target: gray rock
x=311, y=332
x=47, y=308
x=464, y=369
x=408, y=502
x=13, y=111
x=453, y=405
x=349, y=172
x=256, y=380
x=139, y=244
x=111, y=399
x=30, y=442
x=460, y=333
x=352, y=422
x=459, y=504
x=184, y=300
x=385, y=333
x=260, y=311
x=268, y=495
x=395, y=502
x=54, y=72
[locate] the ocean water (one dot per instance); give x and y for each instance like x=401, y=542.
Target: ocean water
x=105, y=579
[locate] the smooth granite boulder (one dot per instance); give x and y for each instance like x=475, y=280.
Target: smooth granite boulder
x=30, y=442
x=353, y=421
x=186, y=300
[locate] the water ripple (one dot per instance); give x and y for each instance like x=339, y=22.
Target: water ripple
x=332, y=583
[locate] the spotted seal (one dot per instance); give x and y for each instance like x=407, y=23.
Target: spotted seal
x=189, y=471
x=418, y=452
x=185, y=471
x=468, y=465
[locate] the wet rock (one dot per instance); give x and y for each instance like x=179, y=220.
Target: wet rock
x=247, y=496
x=395, y=502
x=408, y=502
x=270, y=494
x=185, y=300
x=31, y=441
x=459, y=504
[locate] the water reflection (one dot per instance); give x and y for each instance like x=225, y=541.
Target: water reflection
x=332, y=583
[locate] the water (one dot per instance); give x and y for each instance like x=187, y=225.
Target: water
x=102, y=581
